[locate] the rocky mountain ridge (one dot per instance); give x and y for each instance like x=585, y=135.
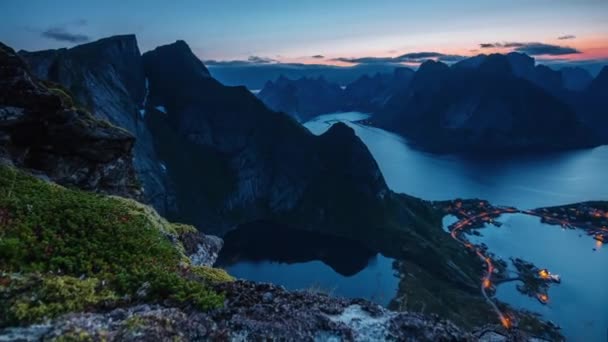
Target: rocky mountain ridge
x=107, y=77
x=42, y=130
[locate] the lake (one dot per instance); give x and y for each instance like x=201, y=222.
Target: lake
x=580, y=303
x=522, y=181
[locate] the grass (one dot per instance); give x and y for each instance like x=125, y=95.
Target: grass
x=66, y=250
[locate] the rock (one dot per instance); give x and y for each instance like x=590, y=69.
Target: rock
x=260, y=164
x=107, y=76
x=202, y=249
x=290, y=316
x=40, y=130
x=267, y=297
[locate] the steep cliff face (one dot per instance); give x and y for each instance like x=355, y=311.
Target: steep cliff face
x=40, y=129
x=107, y=77
x=266, y=163
x=592, y=105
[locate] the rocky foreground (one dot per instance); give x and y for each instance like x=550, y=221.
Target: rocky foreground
x=256, y=312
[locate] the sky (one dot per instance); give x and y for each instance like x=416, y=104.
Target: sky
x=342, y=32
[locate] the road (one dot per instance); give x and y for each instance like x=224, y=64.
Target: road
x=486, y=281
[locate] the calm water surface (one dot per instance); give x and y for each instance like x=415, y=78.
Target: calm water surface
x=579, y=304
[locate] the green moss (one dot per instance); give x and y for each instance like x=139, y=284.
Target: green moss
x=34, y=297
x=46, y=228
x=74, y=336
x=181, y=229
x=65, y=98
x=210, y=274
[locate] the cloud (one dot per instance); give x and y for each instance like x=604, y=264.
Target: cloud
x=515, y=44
x=533, y=49
x=536, y=49
x=60, y=33
x=260, y=60
x=251, y=60
x=318, y=56
x=566, y=37
x=412, y=57
x=501, y=45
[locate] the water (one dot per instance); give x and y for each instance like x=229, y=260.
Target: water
x=580, y=303
x=299, y=260
x=523, y=181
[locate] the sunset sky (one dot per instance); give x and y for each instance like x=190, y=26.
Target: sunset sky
x=320, y=31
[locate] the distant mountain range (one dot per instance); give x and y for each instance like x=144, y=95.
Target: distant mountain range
x=255, y=76
x=498, y=103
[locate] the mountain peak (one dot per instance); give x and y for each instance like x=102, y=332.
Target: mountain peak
x=432, y=65
x=179, y=59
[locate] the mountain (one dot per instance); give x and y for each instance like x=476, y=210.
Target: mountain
x=42, y=130
x=107, y=78
x=575, y=78
x=592, y=103
x=115, y=263
x=306, y=98
x=255, y=76
x=369, y=94
x=487, y=108
x=303, y=98
x=261, y=163
x=77, y=264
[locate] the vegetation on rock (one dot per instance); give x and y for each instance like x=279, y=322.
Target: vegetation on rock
x=65, y=250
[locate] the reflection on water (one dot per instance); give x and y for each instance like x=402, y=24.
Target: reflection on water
x=267, y=252
x=580, y=303
x=523, y=181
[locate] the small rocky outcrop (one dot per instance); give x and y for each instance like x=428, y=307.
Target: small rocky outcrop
x=201, y=249
x=42, y=130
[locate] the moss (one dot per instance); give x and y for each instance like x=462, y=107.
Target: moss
x=181, y=229
x=213, y=275
x=34, y=297
x=74, y=336
x=133, y=323
x=66, y=99
x=49, y=229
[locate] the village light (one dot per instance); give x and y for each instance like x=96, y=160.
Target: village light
x=544, y=274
